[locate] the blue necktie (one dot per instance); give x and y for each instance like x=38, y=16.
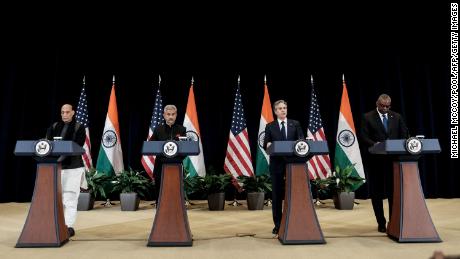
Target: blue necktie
x=385, y=122
x=283, y=130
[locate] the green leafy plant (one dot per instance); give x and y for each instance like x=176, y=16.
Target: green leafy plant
x=192, y=184
x=343, y=179
x=258, y=183
x=215, y=182
x=323, y=186
x=97, y=183
x=131, y=181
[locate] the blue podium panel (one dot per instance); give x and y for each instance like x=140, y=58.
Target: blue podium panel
x=185, y=148
x=397, y=147
x=59, y=148
x=286, y=148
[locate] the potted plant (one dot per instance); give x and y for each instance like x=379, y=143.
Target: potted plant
x=215, y=186
x=131, y=184
x=96, y=183
x=192, y=185
x=256, y=187
x=322, y=188
x=345, y=182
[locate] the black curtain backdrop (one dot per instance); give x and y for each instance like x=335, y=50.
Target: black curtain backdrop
x=401, y=51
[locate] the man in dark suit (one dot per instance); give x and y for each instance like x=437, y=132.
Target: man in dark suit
x=168, y=131
x=379, y=125
x=279, y=130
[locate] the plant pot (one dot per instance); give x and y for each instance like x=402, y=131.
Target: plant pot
x=85, y=201
x=256, y=200
x=216, y=201
x=129, y=201
x=344, y=200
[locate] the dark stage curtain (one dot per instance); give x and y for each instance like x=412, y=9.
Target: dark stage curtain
x=410, y=63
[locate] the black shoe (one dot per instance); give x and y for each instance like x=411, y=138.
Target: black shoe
x=275, y=230
x=382, y=229
x=71, y=232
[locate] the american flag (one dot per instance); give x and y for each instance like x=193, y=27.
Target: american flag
x=157, y=119
x=82, y=117
x=318, y=166
x=238, y=158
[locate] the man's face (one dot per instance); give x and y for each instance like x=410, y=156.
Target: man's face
x=67, y=113
x=383, y=106
x=170, y=116
x=281, y=111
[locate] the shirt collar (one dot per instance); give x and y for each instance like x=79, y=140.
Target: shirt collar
x=381, y=114
x=279, y=121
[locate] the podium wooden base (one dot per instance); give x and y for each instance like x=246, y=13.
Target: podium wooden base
x=170, y=227
x=299, y=223
x=45, y=225
x=410, y=220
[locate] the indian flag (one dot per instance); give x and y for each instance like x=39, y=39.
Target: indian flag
x=193, y=164
x=266, y=116
x=347, y=148
x=110, y=159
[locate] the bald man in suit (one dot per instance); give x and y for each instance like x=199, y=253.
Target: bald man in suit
x=377, y=126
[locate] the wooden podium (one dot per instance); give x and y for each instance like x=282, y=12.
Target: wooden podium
x=45, y=225
x=171, y=227
x=299, y=223
x=410, y=220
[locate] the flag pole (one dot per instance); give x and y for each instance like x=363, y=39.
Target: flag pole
x=235, y=202
x=268, y=202
x=108, y=203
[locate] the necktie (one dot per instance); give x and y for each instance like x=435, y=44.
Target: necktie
x=385, y=122
x=283, y=130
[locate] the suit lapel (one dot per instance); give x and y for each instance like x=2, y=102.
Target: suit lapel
x=277, y=129
x=379, y=122
x=391, y=122
x=290, y=129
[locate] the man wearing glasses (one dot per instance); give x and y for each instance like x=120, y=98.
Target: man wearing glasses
x=379, y=125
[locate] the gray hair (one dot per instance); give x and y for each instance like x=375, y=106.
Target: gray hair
x=384, y=97
x=170, y=107
x=278, y=102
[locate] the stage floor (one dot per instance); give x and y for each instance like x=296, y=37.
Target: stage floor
x=232, y=233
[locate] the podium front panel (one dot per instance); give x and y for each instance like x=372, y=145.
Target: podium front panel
x=185, y=148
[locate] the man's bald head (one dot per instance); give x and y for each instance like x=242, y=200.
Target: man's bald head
x=67, y=113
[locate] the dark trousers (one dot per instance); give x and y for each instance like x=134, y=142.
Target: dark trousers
x=157, y=171
x=377, y=205
x=381, y=186
x=278, y=186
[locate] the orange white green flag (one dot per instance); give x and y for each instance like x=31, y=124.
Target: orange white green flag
x=194, y=165
x=110, y=158
x=347, y=148
x=266, y=116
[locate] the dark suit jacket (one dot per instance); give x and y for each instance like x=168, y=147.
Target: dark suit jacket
x=70, y=162
x=165, y=132
x=379, y=167
x=372, y=130
x=273, y=133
